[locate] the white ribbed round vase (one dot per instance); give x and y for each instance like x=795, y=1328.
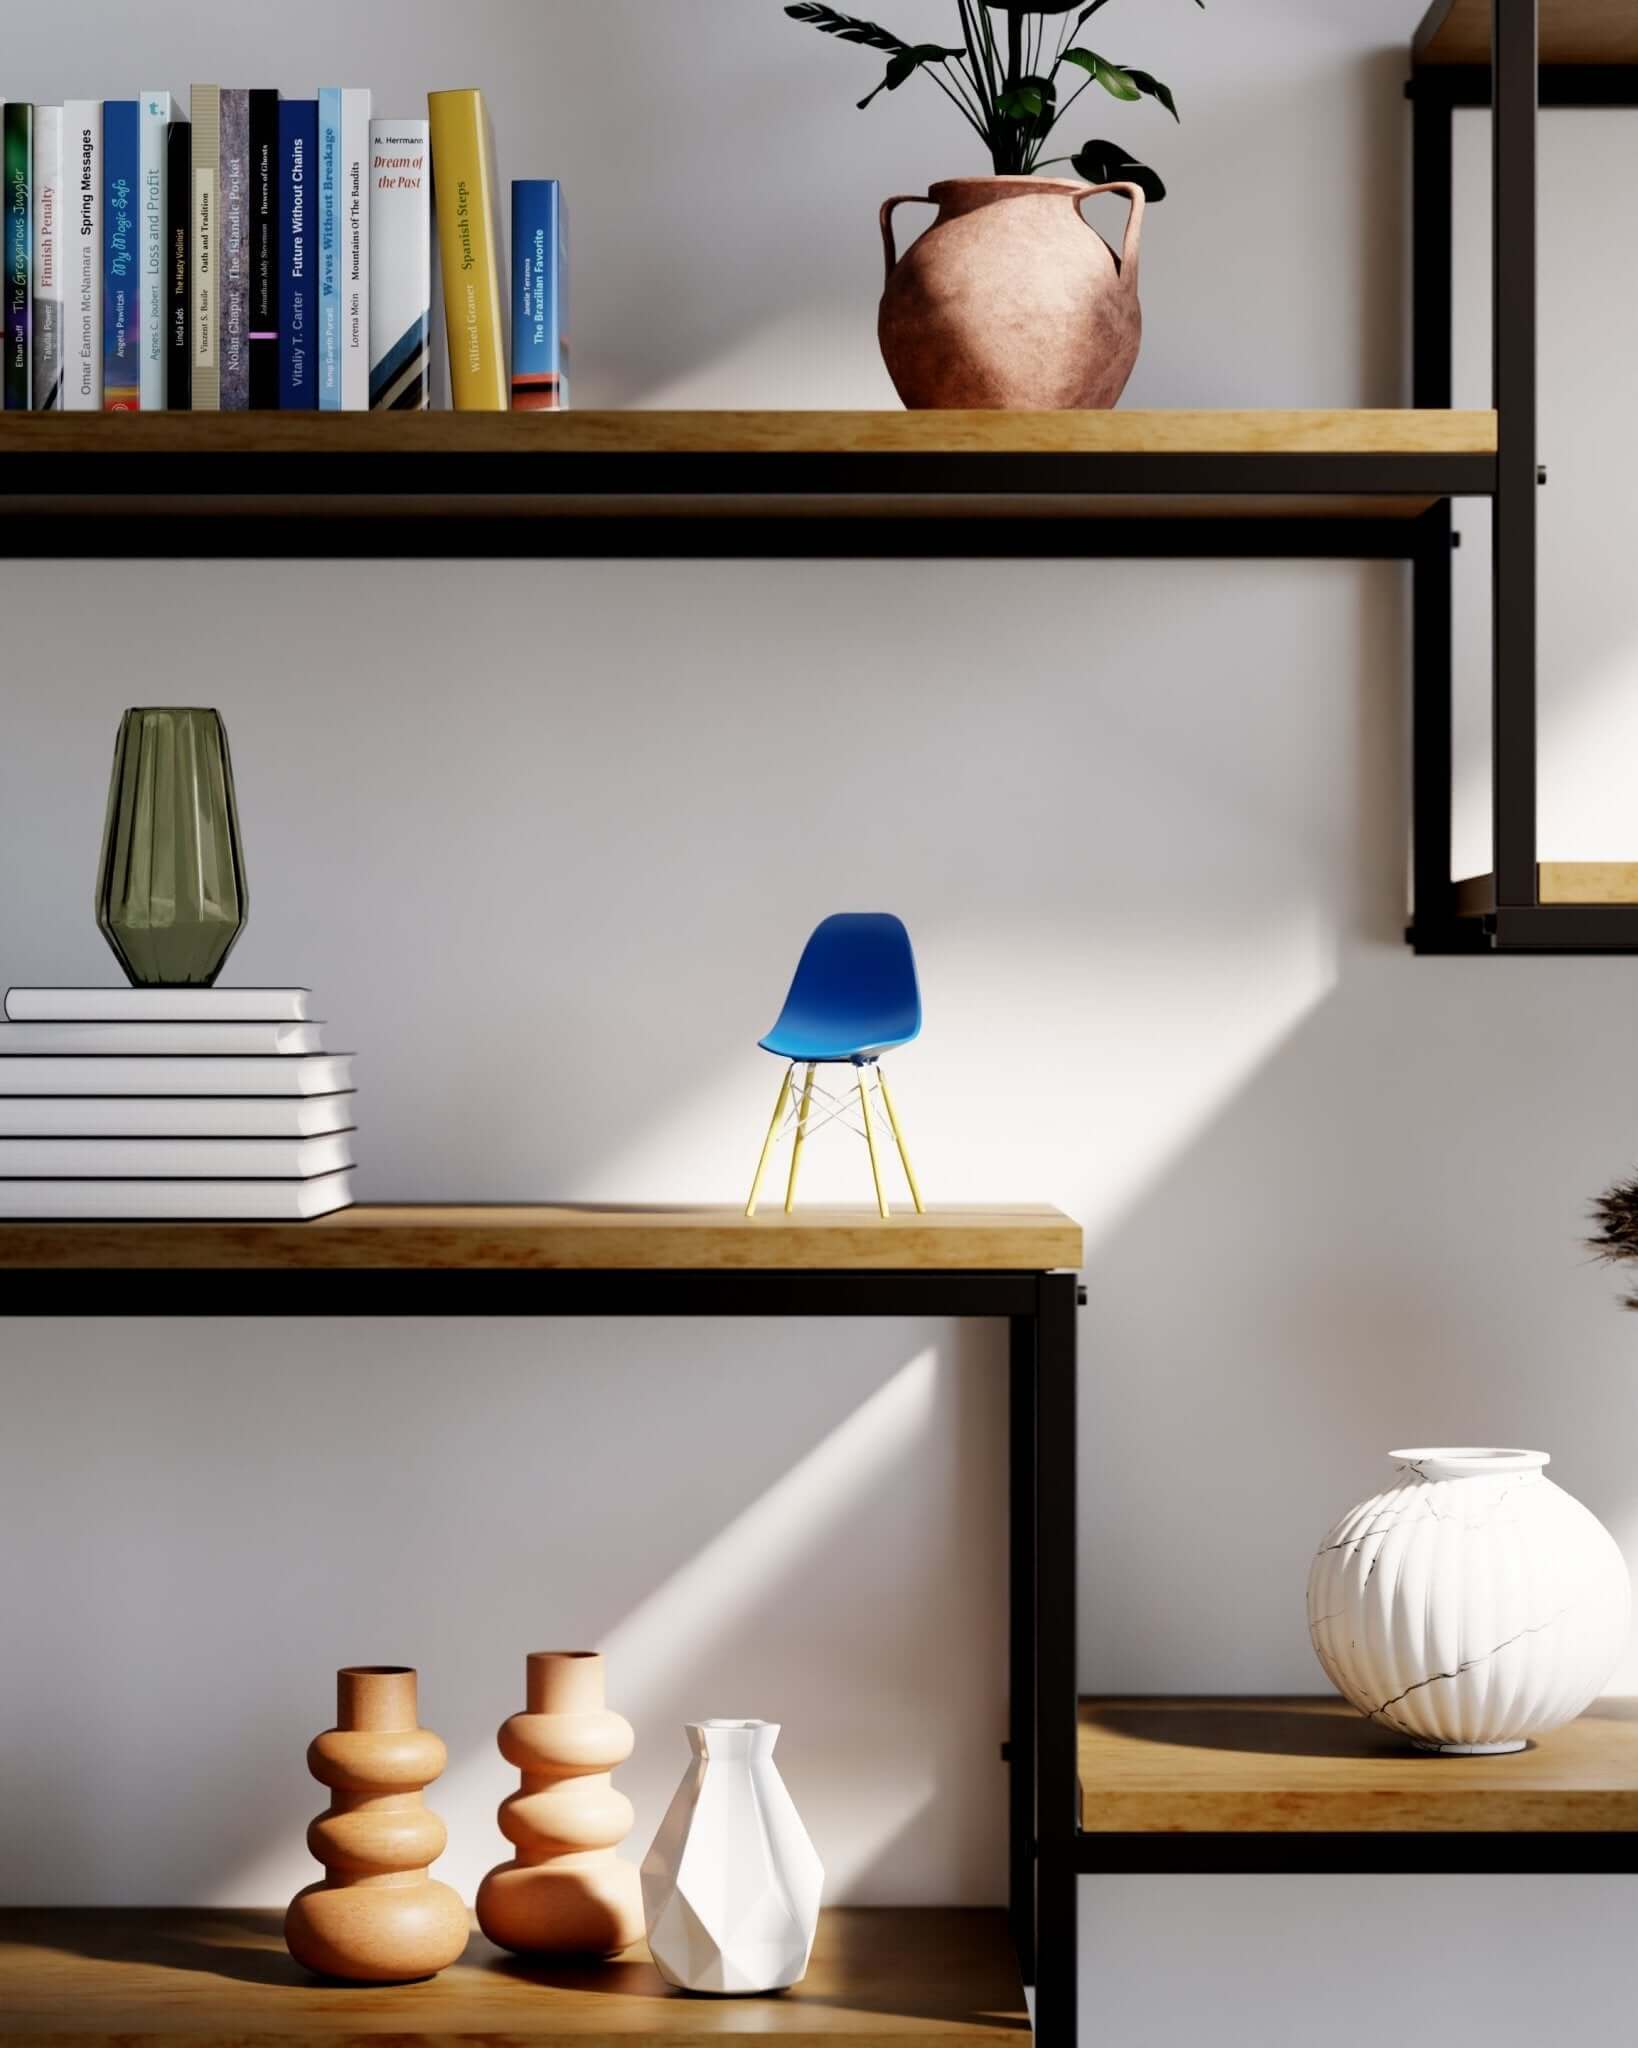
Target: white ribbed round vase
x=1472, y=1605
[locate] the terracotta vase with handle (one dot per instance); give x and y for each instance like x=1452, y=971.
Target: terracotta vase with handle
x=1011, y=301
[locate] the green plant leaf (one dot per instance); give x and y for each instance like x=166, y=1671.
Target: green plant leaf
x=1028, y=100
x=1146, y=81
x=1111, y=77
x=848, y=27
x=1106, y=163
x=906, y=64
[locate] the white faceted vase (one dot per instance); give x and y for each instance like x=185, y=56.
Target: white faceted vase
x=1472, y=1605
x=731, y=1886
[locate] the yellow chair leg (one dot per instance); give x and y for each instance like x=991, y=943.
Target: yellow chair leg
x=898, y=1139
x=768, y=1142
x=870, y=1140
x=801, y=1133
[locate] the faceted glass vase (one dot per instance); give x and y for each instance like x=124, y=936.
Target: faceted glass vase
x=171, y=891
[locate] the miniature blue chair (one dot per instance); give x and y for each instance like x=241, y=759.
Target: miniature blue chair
x=855, y=996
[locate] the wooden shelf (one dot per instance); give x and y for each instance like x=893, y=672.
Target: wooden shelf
x=1571, y=32
x=1558, y=881
x=539, y=437
x=160, y=1980
x=497, y=1238
x=1168, y=1766
x=326, y=471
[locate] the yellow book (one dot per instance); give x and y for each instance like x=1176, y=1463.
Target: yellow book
x=463, y=184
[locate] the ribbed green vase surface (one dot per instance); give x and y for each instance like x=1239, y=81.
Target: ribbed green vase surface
x=171, y=893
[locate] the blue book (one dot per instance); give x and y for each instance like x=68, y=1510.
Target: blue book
x=298, y=254
x=329, y=248
x=540, y=296
x=121, y=257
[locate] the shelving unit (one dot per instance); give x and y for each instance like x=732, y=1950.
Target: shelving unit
x=1113, y=1785
x=879, y=1979
x=1484, y=53
x=885, y=1977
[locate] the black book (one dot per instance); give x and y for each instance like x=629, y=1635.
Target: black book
x=264, y=251
x=178, y=267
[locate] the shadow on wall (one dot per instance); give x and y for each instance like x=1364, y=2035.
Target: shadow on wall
x=425, y=1501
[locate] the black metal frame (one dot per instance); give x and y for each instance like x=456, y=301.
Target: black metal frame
x=1512, y=86
x=1039, y=1310
x=748, y=536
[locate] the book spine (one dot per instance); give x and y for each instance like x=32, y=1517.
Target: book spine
x=233, y=300
x=17, y=242
x=298, y=273
x=400, y=267
x=540, y=380
x=178, y=270
x=121, y=256
x=156, y=112
x=264, y=251
x=463, y=173
x=48, y=259
x=82, y=256
x=329, y=249
x=204, y=249
x=355, y=250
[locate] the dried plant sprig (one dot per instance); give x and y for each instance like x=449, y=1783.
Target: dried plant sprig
x=1615, y=1234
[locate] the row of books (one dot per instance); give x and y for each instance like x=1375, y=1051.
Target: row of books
x=171, y=1104
x=270, y=254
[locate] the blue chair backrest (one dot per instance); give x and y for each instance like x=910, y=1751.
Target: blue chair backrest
x=855, y=990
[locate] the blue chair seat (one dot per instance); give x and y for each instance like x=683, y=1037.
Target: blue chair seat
x=855, y=993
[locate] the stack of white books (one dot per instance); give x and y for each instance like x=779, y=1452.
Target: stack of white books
x=171, y=1103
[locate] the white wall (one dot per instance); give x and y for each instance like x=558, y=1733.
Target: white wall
x=1146, y=823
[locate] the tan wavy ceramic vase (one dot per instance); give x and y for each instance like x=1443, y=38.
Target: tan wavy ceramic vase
x=564, y=1892
x=376, y=1917
x=1011, y=301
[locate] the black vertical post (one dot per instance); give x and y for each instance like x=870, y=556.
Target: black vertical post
x=1432, y=720
x=1023, y=1640
x=1432, y=228
x=1432, y=711
x=1513, y=602
x=1057, y=1703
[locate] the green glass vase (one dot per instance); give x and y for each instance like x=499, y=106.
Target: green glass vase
x=171, y=892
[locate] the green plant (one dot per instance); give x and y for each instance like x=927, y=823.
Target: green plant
x=1000, y=85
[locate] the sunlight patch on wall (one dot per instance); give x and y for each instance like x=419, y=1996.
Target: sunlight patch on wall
x=1072, y=1062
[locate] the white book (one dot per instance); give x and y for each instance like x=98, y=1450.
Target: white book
x=268, y=1041
x=355, y=249
x=208, y=1201
x=82, y=267
x=48, y=259
x=400, y=267
x=155, y=112
x=151, y=1074
x=184, y=1116
x=159, y=1005
x=174, y=1158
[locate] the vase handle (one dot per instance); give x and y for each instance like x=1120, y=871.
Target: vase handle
x=1134, y=225
x=904, y=199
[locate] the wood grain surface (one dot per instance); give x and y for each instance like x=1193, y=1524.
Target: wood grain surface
x=1572, y=32
x=1275, y=1765
x=878, y=1979
x=1400, y=432
x=1558, y=881
x=1017, y=1239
